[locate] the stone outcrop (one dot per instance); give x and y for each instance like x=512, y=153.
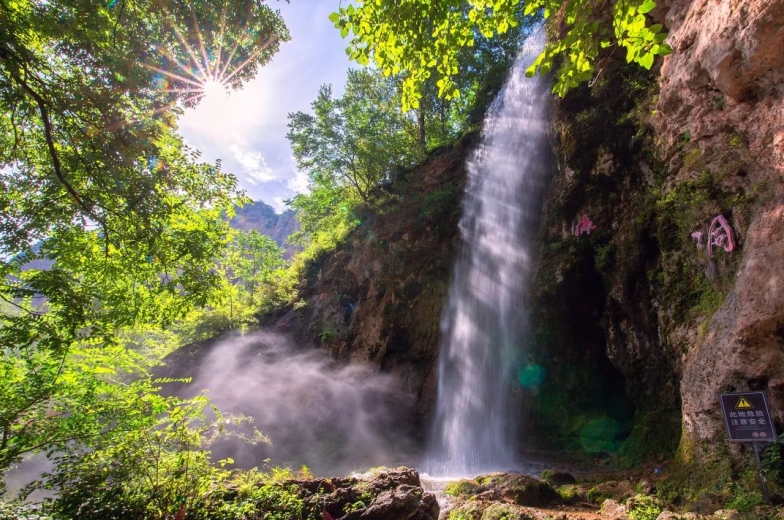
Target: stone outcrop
x=262, y=217
x=725, y=83
x=387, y=495
x=612, y=510
x=513, y=488
x=501, y=495
x=701, y=137
x=377, y=298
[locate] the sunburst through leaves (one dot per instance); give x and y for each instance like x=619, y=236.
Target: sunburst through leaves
x=212, y=58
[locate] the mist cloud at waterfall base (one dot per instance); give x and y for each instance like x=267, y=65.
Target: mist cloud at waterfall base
x=331, y=417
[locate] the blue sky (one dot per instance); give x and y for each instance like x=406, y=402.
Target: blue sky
x=247, y=129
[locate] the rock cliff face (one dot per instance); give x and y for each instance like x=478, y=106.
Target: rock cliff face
x=725, y=86
x=377, y=299
x=652, y=161
x=638, y=322
x=262, y=218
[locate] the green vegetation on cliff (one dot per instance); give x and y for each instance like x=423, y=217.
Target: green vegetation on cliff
x=356, y=147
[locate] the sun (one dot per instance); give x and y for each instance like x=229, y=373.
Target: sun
x=204, y=72
x=213, y=88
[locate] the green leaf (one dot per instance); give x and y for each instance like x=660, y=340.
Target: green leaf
x=646, y=7
x=646, y=60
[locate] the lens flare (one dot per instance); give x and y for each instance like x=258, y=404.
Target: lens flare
x=208, y=70
x=160, y=82
x=214, y=88
x=197, y=66
x=155, y=164
x=531, y=376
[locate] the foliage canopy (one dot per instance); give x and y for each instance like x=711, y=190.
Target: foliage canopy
x=109, y=220
x=423, y=38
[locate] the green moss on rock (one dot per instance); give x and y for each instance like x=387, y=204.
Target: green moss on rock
x=498, y=511
x=467, y=511
x=461, y=488
x=570, y=494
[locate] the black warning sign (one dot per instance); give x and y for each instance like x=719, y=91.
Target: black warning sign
x=747, y=417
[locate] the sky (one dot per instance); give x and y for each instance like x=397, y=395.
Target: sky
x=247, y=129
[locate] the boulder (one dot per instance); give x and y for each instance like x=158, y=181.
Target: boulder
x=613, y=510
x=669, y=515
x=558, y=478
x=394, y=494
x=522, y=490
x=611, y=489
x=402, y=503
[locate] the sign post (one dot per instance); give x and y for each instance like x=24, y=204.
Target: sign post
x=747, y=418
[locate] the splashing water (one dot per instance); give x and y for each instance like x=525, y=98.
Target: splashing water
x=483, y=325
x=332, y=418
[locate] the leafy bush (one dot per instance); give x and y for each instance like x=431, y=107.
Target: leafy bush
x=744, y=502
x=644, y=507
x=773, y=461
x=151, y=471
x=20, y=511
x=260, y=496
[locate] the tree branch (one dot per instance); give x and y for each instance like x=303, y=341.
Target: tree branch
x=50, y=141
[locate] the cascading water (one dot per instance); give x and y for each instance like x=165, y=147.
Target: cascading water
x=483, y=325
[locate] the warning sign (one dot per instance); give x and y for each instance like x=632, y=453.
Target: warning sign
x=747, y=417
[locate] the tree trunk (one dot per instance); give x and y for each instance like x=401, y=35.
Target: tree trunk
x=421, y=119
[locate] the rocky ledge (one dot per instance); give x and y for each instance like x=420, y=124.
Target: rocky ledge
x=558, y=496
x=506, y=496
x=394, y=494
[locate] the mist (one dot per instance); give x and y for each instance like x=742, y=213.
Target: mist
x=331, y=417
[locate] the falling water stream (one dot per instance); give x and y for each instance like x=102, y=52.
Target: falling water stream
x=483, y=326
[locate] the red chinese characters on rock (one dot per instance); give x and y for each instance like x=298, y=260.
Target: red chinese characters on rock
x=583, y=226
x=719, y=235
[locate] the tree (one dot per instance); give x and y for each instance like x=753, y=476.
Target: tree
x=422, y=38
x=252, y=271
x=253, y=260
x=94, y=179
x=358, y=140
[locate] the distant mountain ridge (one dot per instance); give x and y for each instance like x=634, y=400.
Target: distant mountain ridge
x=263, y=218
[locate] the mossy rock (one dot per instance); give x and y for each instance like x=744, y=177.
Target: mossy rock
x=644, y=507
x=461, y=488
x=467, y=511
x=618, y=491
x=519, y=489
x=498, y=511
x=571, y=494
x=558, y=478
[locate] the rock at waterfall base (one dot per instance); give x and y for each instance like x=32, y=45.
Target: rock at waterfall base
x=394, y=494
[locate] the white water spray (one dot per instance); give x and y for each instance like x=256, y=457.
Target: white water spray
x=483, y=325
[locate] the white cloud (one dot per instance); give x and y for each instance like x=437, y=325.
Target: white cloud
x=278, y=204
x=299, y=183
x=254, y=167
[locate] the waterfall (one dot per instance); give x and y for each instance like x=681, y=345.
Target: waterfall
x=483, y=328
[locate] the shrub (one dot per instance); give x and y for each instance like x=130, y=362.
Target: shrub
x=643, y=507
